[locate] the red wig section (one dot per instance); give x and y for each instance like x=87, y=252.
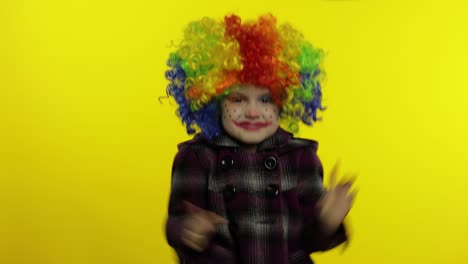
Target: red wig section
x=260, y=49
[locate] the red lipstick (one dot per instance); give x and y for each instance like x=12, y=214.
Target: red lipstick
x=251, y=126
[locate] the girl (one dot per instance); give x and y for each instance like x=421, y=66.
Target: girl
x=244, y=190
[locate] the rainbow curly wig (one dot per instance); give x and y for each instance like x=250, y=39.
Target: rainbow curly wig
x=213, y=56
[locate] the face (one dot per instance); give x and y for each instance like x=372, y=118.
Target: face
x=249, y=114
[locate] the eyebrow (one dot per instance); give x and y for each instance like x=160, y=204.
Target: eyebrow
x=237, y=93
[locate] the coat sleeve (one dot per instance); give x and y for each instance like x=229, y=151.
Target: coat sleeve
x=310, y=189
x=189, y=183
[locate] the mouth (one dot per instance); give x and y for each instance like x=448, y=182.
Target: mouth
x=252, y=126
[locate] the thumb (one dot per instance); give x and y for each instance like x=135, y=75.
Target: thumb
x=323, y=200
x=191, y=208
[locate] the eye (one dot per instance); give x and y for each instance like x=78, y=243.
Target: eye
x=266, y=99
x=235, y=99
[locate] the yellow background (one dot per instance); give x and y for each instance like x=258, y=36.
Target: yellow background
x=86, y=148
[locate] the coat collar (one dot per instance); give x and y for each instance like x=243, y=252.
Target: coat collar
x=278, y=139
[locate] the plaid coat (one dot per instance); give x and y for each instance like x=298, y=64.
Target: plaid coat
x=269, y=198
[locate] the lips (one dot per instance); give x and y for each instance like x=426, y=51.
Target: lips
x=252, y=126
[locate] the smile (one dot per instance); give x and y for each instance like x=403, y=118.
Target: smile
x=252, y=126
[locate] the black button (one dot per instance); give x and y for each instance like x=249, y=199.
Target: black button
x=227, y=163
x=270, y=163
x=272, y=190
x=229, y=191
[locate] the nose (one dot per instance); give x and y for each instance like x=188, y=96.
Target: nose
x=252, y=112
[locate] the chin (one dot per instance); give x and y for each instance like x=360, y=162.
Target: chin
x=254, y=138
x=251, y=141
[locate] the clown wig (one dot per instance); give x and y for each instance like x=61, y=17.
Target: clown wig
x=213, y=56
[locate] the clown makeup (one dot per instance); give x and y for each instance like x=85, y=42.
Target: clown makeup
x=249, y=114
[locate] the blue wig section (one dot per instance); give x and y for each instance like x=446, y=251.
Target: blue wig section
x=207, y=118
x=310, y=107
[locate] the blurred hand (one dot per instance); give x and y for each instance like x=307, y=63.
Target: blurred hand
x=199, y=226
x=337, y=201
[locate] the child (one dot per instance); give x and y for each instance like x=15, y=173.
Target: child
x=244, y=190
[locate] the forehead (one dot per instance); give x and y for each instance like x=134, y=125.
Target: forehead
x=248, y=89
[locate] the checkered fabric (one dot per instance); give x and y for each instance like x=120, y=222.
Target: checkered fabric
x=269, y=198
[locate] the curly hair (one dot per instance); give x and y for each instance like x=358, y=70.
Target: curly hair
x=213, y=56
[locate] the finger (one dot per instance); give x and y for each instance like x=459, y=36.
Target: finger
x=349, y=178
x=191, y=208
x=349, y=183
x=350, y=199
x=344, y=187
x=333, y=173
x=193, y=234
x=216, y=219
x=193, y=240
x=340, y=192
x=353, y=194
x=200, y=225
x=192, y=245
